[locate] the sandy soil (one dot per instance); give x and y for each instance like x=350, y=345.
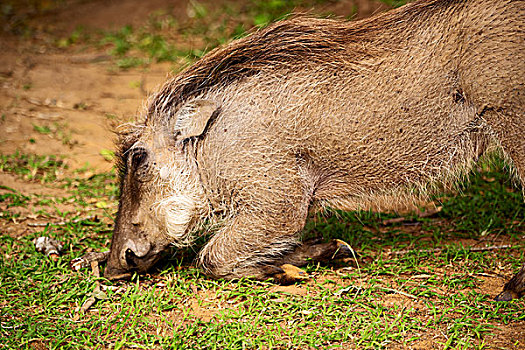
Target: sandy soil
x=78, y=102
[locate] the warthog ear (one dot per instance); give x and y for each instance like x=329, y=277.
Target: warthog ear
x=194, y=117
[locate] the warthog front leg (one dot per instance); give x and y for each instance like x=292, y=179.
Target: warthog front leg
x=261, y=258
x=253, y=245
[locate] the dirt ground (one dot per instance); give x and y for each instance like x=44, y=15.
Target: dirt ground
x=77, y=99
x=78, y=95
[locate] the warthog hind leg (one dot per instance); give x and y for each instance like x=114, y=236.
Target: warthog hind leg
x=515, y=288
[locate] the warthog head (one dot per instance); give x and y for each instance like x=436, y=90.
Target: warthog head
x=161, y=198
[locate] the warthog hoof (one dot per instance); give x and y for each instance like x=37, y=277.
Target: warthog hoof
x=290, y=274
x=515, y=288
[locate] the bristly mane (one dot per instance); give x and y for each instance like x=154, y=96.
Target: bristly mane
x=293, y=44
x=282, y=44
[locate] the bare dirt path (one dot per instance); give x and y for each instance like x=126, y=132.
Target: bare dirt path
x=52, y=105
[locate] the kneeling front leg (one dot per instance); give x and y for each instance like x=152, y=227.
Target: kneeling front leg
x=249, y=246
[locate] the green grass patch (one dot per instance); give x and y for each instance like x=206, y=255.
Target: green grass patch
x=395, y=3
x=433, y=292
x=33, y=167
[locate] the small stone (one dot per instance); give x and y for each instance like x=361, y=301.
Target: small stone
x=49, y=246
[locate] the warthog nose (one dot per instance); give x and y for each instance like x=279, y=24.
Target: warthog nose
x=132, y=251
x=130, y=258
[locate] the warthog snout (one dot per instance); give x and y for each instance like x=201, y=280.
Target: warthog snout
x=138, y=255
x=133, y=256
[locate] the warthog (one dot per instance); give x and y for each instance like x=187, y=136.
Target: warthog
x=308, y=114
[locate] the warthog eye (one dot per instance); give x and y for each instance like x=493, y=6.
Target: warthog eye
x=140, y=163
x=138, y=157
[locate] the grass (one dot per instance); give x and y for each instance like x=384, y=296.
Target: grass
x=32, y=167
x=395, y=3
x=391, y=300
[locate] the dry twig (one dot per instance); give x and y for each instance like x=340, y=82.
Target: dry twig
x=60, y=223
x=86, y=260
x=398, y=292
x=92, y=299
